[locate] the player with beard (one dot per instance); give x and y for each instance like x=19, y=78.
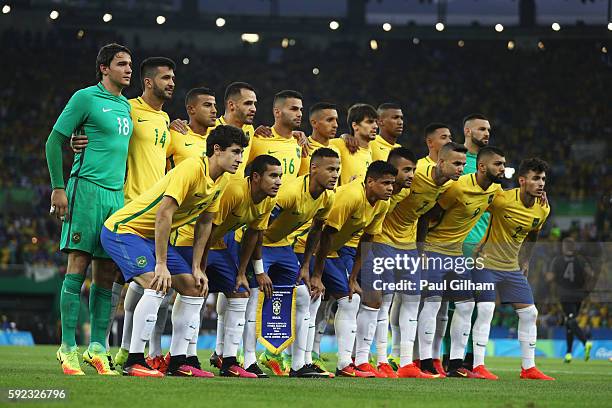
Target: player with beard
x=390, y=125
x=456, y=212
x=517, y=216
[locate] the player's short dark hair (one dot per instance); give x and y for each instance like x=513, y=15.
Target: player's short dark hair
x=148, y=67
x=386, y=106
x=358, y=112
x=224, y=136
x=234, y=89
x=106, y=55
x=432, y=127
x=402, y=152
x=452, y=147
x=195, y=92
x=260, y=164
x=533, y=163
x=286, y=94
x=319, y=106
x=322, y=152
x=488, y=151
x=379, y=168
x=473, y=116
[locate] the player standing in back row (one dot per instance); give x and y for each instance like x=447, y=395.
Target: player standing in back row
x=94, y=191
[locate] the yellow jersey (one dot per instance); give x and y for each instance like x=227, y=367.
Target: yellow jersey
x=237, y=209
x=189, y=184
x=286, y=150
x=183, y=146
x=381, y=148
x=353, y=166
x=249, y=132
x=510, y=223
x=294, y=208
x=400, y=224
x=314, y=145
x=463, y=203
x=352, y=214
x=428, y=161
x=146, y=161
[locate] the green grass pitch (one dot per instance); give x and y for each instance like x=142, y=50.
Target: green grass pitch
x=578, y=384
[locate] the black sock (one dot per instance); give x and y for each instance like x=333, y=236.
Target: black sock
x=176, y=362
x=445, y=359
x=569, y=339
x=228, y=362
x=455, y=364
x=468, y=361
x=193, y=361
x=427, y=365
x=135, y=358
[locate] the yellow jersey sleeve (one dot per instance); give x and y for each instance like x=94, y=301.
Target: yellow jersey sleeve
x=286, y=150
x=353, y=166
x=184, y=146
x=146, y=162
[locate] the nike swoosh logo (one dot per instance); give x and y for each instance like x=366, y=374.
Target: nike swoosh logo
x=461, y=373
x=140, y=370
x=233, y=372
x=481, y=345
x=350, y=374
x=381, y=148
x=272, y=152
x=468, y=203
x=70, y=293
x=532, y=344
x=415, y=320
x=187, y=373
x=364, y=339
x=507, y=217
x=240, y=325
x=428, y=332
x=199, y=195
x=142, y=120
x=466, y=334
x=106, y=110
x=189, y=144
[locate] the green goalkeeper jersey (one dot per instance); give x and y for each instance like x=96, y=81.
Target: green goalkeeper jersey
x=105, y=119
x=479, y=230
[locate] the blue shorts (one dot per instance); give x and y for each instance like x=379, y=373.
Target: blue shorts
x=135, y=255
x=447, y=276
x=391, y=270
x=512, y=286
x=337, y=270
x=221, y=265
x=280, y=263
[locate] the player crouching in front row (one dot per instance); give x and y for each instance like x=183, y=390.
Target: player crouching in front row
x=136, y=237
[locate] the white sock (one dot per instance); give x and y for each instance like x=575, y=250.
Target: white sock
x=145, y=316
x=441, y=323
x=345, y=325
x=192, y=347
x=185, y=317
x=366, y=327
x=312, y=328
x=427, y=326
x=381, y=336
x=249, y=339
x=527, y=334
x=115, y=298
x=162, y=315
x=460, y=328
x=132, y=296
x=234, y=327
x=409, y=313
x=221, y=308
x=302, y=320
x=395, y=328
x=321, y=324
x=480, y=331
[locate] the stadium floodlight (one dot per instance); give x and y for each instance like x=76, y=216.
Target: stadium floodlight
x=185, y=61
x=80, y=34
x=220, y=22
x=510, y=45
x=556, y=26
x=540, y=45
x=291, y=42
x=250, y=37
x=107, y=17
x=460, y=43
x=285, y=43
x=54, y=15
x=499, y=28
x=387, y=26
x=610, y=26
x=315, y=71
x=440, y=26
x=160, y=20
x=373, y=44
x=6, y=9
x=334, y=25
x=416, y=41
x=604, y=50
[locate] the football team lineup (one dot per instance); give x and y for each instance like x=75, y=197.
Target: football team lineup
x=180, y=210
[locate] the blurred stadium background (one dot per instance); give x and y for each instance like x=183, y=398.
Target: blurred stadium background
x=541, y=70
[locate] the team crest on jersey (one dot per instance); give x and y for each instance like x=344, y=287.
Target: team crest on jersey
x=76, y=237
x=276, y=306
x=141, y=261
x=535, y=222
x=298, y=152
x=491, y=198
